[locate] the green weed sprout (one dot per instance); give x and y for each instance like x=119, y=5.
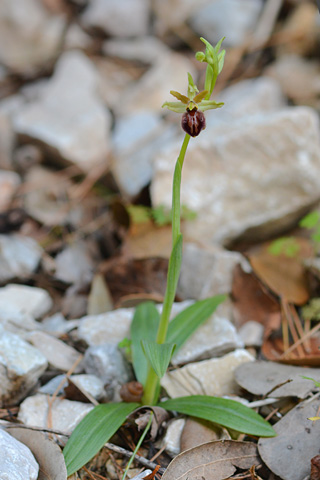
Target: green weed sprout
x=153, y=338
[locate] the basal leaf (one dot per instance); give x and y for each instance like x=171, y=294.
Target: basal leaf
x=159, y=355
x=310, y=220
x=144, y=326
x=187, y=321
x=228, y=413
x=93, y=432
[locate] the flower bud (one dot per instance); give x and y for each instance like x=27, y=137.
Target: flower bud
x=200, y=56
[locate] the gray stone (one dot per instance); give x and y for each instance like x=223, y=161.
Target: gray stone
x=19, y=256
x=107, y=363
x=58, y=354
x=209, y=377
x=74, y=264
x=30, y=300
x=7, y=138
x=123, y=18
x=109, y=327
x=65, y=414
x=207, y=270
x=17, y=461
x=137, y=138
x=16, y=321
x=21, y=365
x=230, y=18
x=90, y=384
x=9, y=182
x=172, y=15
x=26, y=45
x=213, y=338
x=57, y=325
x=69, y=117
x=142, y=49
x=225, y=164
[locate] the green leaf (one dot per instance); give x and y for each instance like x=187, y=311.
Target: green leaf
x=159, y=355
x=286, y=245
x=143, y=326
x=187, y=321
x=93, y=432
x=138, y=213
x=228, y=413
x=317, y=384
x=310, y=220
x=161, y=215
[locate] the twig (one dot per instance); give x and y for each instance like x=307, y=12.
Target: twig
x=299, y=342
x=144, y=461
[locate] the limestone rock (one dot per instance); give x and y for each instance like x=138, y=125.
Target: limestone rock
x=123, y=18
x=215, y=337
x=19, y=256
x=210, y=377
x=58, y=354
x=21, y=365
x=29, y=35
x=6, y=141
x=30, y=300
x=171, y=440
x=69, y=118
x=207, y=271
x=251, y=333
x=74, y=264
x=17, y=461
x=238, y=19
x=65, y=414
x=16, y=321
x=234, y=181
x=137, y=138
x=90, y=384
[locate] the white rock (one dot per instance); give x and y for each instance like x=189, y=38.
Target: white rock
x=16, y=321
x=251, y=333
x=89, y=383
x=137, y=138
x=210, y=377
x=233, y=179
x=30, y=300
x=58, y=354
x=21, y=365
x=230, y=18
x=76, y=38
x=6, y=141
x=171, y=15
x=152, y=89
x=16, y=459
x=19, y=256
x=142, y=49
x=65, y=414
x=110, y=327
x=26, y=44
x=9, y=182
x=69, y=116
x=123, y=18
x=248, y=97
x=207, y=271
x=171, y=440
x=215, y=337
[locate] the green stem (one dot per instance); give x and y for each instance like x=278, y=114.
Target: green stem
x=138, y=446
x=152, y=383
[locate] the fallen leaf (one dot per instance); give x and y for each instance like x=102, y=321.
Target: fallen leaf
x=213, y=461
x=251, y=301
x=141, y=417
x=260, y=378
x=197, y=431
x=285, y=276
x=99, y=298
x=47, y=453
x=272, y=349
x=146, y=240
x=288, y=454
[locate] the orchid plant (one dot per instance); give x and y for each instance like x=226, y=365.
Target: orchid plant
x=154, y=338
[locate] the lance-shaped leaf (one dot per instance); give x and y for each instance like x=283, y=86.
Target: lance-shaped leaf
x=159, y=355
x=93, y=432
x=144, y=325
x=187, y=321
x=228, y=413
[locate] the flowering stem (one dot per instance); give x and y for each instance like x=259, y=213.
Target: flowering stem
x=152, y=384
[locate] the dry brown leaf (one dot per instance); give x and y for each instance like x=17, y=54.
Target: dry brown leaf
x=272, y=349
x=213, y=461
x=251, y=301
x=197, y=431
x=146, y=240
x=141, y=417
x=288, y=454
x=47, y=453
x=285, y=276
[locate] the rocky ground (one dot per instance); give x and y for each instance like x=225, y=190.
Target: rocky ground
x=86, y=164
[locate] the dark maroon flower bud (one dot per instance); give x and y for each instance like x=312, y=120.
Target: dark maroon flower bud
x=193, y=121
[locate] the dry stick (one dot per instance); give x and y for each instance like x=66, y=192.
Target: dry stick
x=89, y=473
x=138, y=458
x=299, y=327
x=299, y=342
x=284, y=325
x=292, y=328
